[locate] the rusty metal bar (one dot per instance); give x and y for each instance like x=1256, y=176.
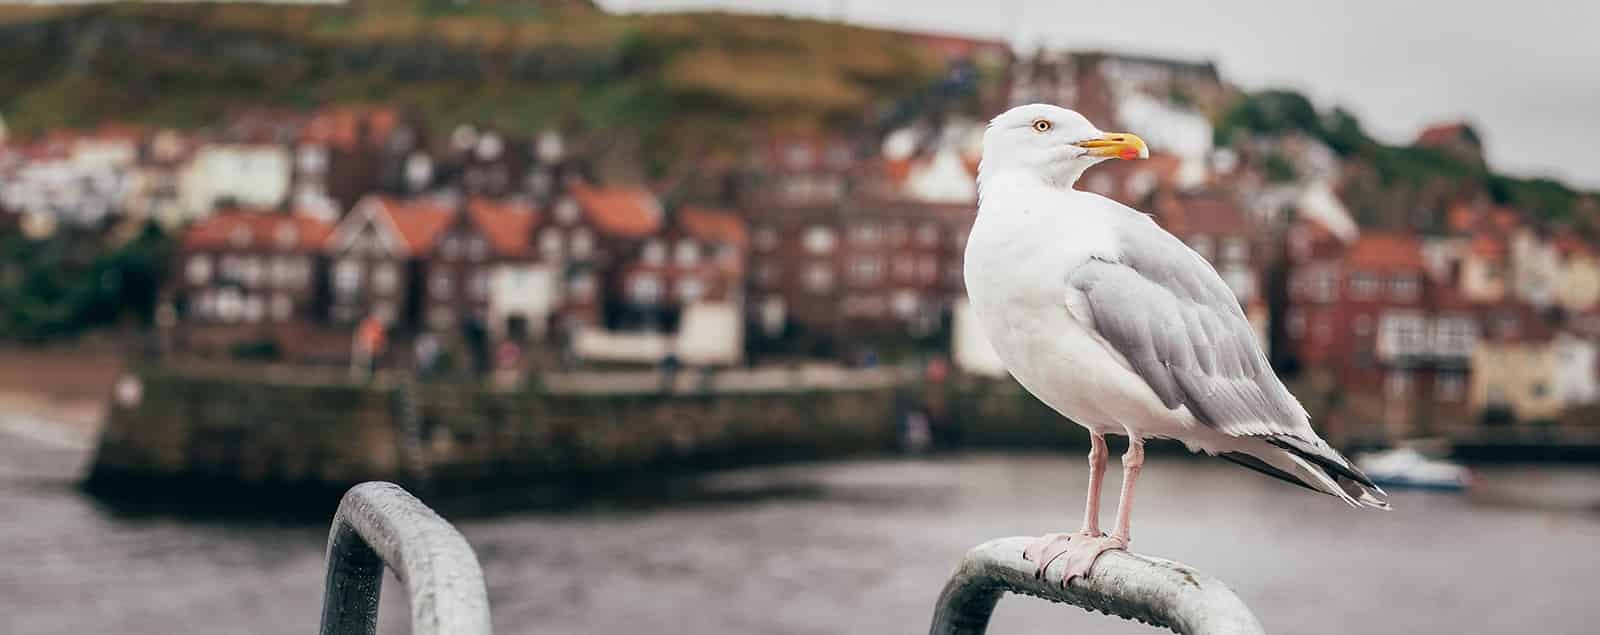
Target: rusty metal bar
x=380, y=524
x=1131, y=586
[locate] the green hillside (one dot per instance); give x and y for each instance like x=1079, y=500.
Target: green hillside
x=671, y=79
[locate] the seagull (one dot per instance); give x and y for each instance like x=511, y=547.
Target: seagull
x=1120, y=327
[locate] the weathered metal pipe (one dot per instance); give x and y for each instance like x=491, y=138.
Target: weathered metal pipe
x=1150, y=590
x=381, y=524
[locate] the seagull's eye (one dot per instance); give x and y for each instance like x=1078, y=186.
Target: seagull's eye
x=1042, y=125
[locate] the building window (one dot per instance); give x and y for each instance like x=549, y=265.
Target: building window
x=798, y=155
x=1320, y=284
x=1295, y=324
x=866, y=269
x=687, y=253
x=312, y=160
x=582, y=243
x=1454, y=336
x=819, y=239
x=905, y=303
x=479, y=285
x=477, y=249
x=282, y=307
x=419, y=171
x=1398, y=383
x=654, y=253
x=819, y=278
x=567, y=211
x=254, y=309
x=439, y=285
x=289, y=272
x=550, y=244
x=1404, y=287
x=385, y=277
x=581, y=287
x=928, y=234
x=199, y=269
x=1201, y=244
x=1402, y=334
x=347, y=275
x=450, y=247
x=866, y=234
x=766, y=238
x=254, y=270
x=1363, y=285
x=644, y=288
x=230, y=306
x=1235, y=250
x=1449, y=387
x=691, y=289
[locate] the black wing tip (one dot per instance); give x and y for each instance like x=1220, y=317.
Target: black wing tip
x=1337, y=464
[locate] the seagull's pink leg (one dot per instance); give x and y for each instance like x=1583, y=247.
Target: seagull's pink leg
x=1132, y=463
x=1083, y=548
x=1097, y=475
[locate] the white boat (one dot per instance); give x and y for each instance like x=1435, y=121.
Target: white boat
x=1406, y=467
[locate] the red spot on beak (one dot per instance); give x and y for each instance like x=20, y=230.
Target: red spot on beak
x=1129, y=154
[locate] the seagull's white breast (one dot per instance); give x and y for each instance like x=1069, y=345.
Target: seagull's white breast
x=1023, y=245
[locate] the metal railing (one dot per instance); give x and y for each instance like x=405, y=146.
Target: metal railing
x=1150, y=590
x=380, y=524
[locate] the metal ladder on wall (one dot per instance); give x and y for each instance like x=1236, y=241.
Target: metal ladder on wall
x=409, y=420
x=381, y=525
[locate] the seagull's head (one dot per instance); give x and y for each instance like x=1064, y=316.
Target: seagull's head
x=1052, y=142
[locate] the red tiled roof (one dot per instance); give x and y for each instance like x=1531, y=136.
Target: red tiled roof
x=1441, y=134
x=241, y=228
x=628, y=212
x=1570, y=244
x=1467, y=218
x=1487, y=246
x=508, y=226
x=1206, y=213
x=1386, y=251
x=341, y=126
x=713, y=225
x=419, y=222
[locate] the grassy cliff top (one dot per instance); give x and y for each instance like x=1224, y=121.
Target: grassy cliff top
x=518, y=65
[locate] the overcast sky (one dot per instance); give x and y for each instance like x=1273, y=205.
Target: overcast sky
x=1526, y=73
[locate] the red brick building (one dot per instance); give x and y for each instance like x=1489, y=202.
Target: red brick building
x=697, y=256
x=481, y=235
x=874, y=267
x=376, y=256
x=249, y=276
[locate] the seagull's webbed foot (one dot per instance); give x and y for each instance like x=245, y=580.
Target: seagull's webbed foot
x=1080, y=549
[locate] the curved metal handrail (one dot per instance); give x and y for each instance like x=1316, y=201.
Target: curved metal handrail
x=381, y=524
x=1150, y=590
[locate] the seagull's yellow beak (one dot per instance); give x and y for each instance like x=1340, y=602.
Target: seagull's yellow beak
x=1120, y=145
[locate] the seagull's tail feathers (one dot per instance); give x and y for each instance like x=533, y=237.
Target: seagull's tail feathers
x=1327, y=472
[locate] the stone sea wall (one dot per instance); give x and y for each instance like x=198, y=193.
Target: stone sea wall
x=220, y=428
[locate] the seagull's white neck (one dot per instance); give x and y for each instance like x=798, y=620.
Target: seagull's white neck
x=1063, y=177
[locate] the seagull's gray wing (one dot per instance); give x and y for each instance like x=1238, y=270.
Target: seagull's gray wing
x=1165, y=309
x=1167, y=312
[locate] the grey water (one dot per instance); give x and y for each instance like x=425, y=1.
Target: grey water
x=850, y=547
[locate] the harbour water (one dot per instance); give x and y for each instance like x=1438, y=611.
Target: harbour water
x=851, y=547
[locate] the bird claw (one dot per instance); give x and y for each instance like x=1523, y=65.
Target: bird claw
x=1080, y=548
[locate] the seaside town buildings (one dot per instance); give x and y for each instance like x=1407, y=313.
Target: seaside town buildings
x=296, y=227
